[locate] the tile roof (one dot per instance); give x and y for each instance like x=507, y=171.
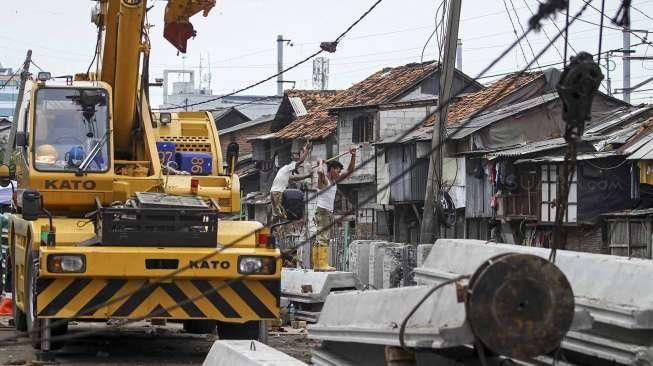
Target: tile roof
x=311, y=98
x=473, y=102
x=317, y=124
x=382, y=86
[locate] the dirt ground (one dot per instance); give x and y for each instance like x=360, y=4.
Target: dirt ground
x=136, y=344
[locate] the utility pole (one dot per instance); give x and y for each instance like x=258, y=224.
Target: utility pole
x=608, y=81
x=430, y=225
x=280, y=65
x=459, y=54
x=626, y=64
x=24, y=74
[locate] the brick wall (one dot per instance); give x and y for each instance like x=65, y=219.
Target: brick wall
x=241, y=137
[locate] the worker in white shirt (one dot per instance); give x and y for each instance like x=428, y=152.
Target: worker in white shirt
x=285, y=175
x=328, y=176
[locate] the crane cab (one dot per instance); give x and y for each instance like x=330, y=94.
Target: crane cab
x=64, y=144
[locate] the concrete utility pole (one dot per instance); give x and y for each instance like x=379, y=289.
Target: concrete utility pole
x=280, y=65
x=459, y=54
x=430, y=225
x=626, y=64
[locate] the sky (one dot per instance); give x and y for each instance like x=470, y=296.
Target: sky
x=239, y=39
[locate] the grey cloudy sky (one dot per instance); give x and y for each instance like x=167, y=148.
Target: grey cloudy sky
x=239, y=37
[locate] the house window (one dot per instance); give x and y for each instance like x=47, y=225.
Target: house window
x=362, y=129
x=550, y=195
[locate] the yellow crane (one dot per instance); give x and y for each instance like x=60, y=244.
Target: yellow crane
x=120, y=209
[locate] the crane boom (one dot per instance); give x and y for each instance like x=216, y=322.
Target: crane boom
x=122, y=23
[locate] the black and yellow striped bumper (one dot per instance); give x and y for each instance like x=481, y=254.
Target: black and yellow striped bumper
x=233, y=301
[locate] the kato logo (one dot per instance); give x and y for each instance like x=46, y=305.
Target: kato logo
x=88, y=185
x=209, y=264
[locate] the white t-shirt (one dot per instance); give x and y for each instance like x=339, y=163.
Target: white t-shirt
x=6, y=193
x=282, y=178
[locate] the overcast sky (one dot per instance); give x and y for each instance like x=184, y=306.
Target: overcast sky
x=239, y=38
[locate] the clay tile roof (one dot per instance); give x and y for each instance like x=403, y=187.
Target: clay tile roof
x=473, y=102
x=311, y=98
x=385, y=85
x=317, y=124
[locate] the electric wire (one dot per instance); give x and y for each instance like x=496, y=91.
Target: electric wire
x=514, y=30
x=546, y=34
x=641, y=12
x=306, y=59
x=522, y=29
x=4, y=85
x=413, y=310
x=373, y=158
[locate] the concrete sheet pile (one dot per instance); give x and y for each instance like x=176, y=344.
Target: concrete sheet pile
x=616, y=291
x=308, y=290
x=371, y=319
x=247, y=353
x=381, y=264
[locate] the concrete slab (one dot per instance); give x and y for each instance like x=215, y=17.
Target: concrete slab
x=609, y=287
x=374, y=316
x=608, y=349
x=307, y=286
x=247, y=353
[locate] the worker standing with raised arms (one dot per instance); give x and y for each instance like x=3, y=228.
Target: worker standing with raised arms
x=329, y=174
x=286, y=174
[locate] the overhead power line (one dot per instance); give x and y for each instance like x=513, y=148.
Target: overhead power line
x=362, y=165
x=306, y=59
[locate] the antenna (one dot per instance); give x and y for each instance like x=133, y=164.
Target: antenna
x=321, y=73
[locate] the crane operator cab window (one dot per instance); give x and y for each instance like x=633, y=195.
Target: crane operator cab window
x=71, y=130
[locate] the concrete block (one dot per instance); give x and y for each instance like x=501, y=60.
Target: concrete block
x=307, y=286
x=423, y=251
x=359, y=260
x=247, y=353
x=298, y=324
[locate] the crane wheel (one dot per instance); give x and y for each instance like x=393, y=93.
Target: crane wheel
x=20, y=319
x=194, y=326
x=58, y=327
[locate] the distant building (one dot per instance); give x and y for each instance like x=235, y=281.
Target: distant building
x=8, y=93
x=180, y=92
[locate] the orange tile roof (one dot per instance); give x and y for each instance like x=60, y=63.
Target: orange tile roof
x=317, y=124
x=312, y=98
x=474, y=102
x=383, y=86
x=380, y=87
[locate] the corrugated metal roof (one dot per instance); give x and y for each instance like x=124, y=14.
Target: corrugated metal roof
x=619, y=116
x=580, y=157
x=246, y=125
x=466, y=127
x=297, y=106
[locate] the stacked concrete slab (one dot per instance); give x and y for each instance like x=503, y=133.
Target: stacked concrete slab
x=309, y=289
x=616, y=291
x=369, y=320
